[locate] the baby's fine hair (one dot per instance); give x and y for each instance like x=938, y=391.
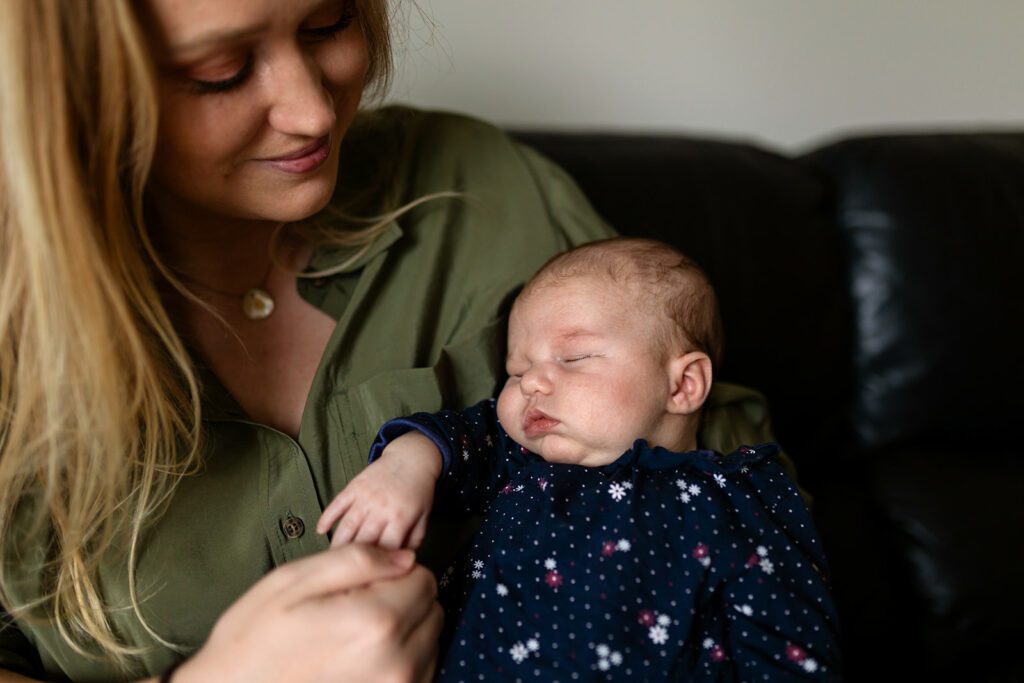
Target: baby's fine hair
x=669, y=284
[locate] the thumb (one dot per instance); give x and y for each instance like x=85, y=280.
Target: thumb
x=339, y=569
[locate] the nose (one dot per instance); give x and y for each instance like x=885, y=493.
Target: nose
x=301, y=103
x=536, y=380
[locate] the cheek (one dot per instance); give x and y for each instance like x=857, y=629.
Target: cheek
x=344, y=67
x=202, y=134
x=507, y=408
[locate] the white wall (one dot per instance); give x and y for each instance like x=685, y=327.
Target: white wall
x=787, y=73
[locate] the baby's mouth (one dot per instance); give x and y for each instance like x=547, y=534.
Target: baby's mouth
x=537, y=423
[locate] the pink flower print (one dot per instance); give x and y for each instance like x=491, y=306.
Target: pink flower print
x=553, y=578
x=646, y=617
x=608, y=548
x=795, y=653
x=542, y=483
x=754, y=559
x=522, y=449
x=702, y=554
x=717, y=653
x=508, y=488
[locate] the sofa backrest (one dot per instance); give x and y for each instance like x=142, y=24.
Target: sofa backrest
x=869, y=288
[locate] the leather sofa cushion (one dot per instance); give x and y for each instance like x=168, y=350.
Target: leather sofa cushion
x=934, y=227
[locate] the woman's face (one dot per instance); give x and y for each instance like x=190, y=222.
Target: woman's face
x=255, y=96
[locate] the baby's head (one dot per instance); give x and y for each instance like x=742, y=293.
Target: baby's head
x=610, y=342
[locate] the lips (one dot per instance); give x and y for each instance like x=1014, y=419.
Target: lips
x=302, y=160
x=537, y=423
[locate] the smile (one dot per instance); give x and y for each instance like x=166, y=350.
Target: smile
x=304, y=160
x=537, y=424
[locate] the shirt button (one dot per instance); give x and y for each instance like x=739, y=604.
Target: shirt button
x=293, y=527
x=320, y=282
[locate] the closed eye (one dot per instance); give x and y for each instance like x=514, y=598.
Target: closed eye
x=577, y=358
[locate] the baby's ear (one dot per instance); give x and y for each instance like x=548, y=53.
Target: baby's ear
x=690, y=375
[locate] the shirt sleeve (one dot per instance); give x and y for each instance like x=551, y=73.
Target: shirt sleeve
x=16, y=651
x=774, y=612
x=475, y=450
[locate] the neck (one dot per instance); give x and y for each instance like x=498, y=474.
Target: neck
x=215, y=251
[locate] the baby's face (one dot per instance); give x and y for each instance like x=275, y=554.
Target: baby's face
x=586, y=377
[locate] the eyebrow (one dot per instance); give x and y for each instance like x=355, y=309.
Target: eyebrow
x=216, y=37
x=575, y=333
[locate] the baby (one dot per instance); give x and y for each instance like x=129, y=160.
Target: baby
x=611, y=548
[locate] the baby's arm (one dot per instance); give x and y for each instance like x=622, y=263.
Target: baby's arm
x=775, y=604
x=388, y=503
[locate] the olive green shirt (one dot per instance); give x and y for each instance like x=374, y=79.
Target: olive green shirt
x=421, y=326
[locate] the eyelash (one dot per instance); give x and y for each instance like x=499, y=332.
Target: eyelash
x=313, y=35
x=573, y=359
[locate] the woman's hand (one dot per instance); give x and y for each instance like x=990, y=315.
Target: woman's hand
x=357, y=613
x=388, y=503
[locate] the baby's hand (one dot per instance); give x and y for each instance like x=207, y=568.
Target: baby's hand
x=388, y=503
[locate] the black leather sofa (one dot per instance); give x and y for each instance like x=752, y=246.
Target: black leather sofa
x=872, y=289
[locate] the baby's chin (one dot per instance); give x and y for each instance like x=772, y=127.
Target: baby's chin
x=563, y=451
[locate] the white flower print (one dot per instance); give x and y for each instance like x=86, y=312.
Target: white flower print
x=694, y=490
x=767, y=567
x=658, y=635
x=681, y=483
x=762, y=551
x=606, y=657
x=532, y=645
x=488, y=440
x=664, y=620
x=720, y=480
x=745, y=610
x=478, y=564
x=685, y=497
x=550, y=563
x=519, y=652
x=501, y=589
x=617, y=491
x=477, y=574
x=627, y=485
x=623, y=545
x=465, y=454
x=809, y=665
x=708, y=643
x=520, y=488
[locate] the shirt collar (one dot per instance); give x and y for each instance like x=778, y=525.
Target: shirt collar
x=328, y=257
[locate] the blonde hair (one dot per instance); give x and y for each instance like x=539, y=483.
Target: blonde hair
x=99, y=401
x=673, y=287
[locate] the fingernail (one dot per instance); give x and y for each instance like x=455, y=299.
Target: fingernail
x=402, y=558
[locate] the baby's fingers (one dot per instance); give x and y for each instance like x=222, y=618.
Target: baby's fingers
x=348, y=527
x=419, y=530
x=333, y=512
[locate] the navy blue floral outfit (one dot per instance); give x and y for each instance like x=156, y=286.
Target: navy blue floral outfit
x=658, y=566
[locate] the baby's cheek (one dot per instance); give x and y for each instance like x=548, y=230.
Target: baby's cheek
x=506, y=410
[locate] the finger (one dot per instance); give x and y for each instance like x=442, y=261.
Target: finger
x=332, y=571
x=348, y=527
x=393, y=535
x=412, y=596
x=332, y=513
x=422, y=643
x=370, y=530
x=419, y=531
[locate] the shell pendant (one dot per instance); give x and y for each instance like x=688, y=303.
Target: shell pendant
x=257, y=304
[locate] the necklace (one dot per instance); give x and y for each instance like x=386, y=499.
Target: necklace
x=257, y=303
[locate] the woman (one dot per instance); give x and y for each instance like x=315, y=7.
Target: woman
x=200, y=336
